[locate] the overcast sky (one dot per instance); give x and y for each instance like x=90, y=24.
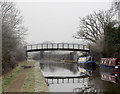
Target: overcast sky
x=56, y=21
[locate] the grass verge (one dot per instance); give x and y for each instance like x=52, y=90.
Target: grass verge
x=40, y=85
x=34, y=81
x=28, y=85
x=6, y=81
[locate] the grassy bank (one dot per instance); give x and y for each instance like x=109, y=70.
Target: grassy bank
x=98, y=62
x=40, y=85
x=8, y=78
x=35, y=81
x=28, y=85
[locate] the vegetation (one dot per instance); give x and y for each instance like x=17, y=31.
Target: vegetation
x=40, y=85
x=28, y=85
x=91, y=27
x=102, y=32
x=109, y=45
x=13, y=33
x=112, y=39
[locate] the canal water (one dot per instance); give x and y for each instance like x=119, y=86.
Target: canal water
x=71, y=77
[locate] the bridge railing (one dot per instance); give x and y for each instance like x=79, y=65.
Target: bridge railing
x=59, y=80
x=57, y=46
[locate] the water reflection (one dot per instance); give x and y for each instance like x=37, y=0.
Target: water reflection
x=51, y=68
x=103, y=80
x=69, y=77
x=66, y=77
x=110, y=74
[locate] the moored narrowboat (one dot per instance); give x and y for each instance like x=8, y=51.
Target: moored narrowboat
x=110, y=62
x=89, y=61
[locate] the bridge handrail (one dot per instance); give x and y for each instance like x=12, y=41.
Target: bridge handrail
x=56, y=43
x=57, y=46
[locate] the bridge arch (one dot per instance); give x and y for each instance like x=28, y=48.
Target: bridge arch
x=56, y=46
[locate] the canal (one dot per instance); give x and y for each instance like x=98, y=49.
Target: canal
x=71, y=77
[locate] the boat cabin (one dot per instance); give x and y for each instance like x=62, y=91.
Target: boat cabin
x=110, y=61
x=87, y=59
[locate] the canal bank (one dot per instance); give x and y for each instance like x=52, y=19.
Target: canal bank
x=40, y=85
x=35, y=81
x=27, y=77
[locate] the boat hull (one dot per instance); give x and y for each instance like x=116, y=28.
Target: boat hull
x=109, y=67
x=87, y=64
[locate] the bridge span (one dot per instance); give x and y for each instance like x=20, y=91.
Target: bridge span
x=57, y=46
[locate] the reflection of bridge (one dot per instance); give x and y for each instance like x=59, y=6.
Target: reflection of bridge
x=63, y=79
x=57, y=46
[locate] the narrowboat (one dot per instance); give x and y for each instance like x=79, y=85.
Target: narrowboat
x=110, y=62
x=86, y=61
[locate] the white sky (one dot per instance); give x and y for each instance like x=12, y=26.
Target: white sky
x=56, y=21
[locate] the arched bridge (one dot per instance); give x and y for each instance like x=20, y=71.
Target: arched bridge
x=57, y=46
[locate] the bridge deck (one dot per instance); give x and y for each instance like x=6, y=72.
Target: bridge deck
x=64, y=79
x=57, y=46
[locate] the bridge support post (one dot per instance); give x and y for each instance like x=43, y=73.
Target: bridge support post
x=68, y=46
x=89, y=51
x=42, y=46
x=47, y=46
x=52, y=45
x=63, y=45
x=31, y=47
x=58, y=46
x=37, y=46
x=78, y=46
x=26, y=56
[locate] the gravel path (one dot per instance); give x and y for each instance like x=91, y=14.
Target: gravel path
x=16, y=85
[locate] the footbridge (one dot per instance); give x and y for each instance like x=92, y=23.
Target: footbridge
x=57, y=46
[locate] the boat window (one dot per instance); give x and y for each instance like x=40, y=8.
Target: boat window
x=83, y=59
x=109, y=78
x=102, y=61
x=89, y=59
x=109, y=61
x=105, y=62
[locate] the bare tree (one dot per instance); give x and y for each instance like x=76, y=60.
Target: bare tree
x=115, y=5
x=12, y=35
x=12, y=18
x=91, y=27
x=116, y=9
